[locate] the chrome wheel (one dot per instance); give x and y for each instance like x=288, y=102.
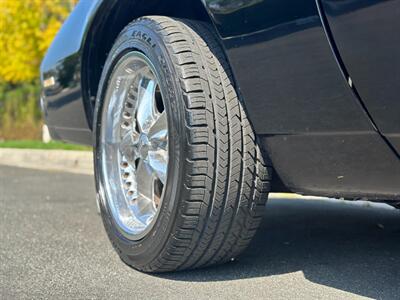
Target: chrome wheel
x=134, y=145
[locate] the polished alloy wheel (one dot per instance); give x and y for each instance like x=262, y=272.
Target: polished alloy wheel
x=134, y=145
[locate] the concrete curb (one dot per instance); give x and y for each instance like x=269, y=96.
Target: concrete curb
x=57, y=160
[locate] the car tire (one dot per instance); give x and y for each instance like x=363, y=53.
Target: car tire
x=217, y=180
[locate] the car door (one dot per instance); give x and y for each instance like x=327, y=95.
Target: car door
x=366, y=34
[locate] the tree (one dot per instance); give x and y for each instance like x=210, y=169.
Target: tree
x=27, y=27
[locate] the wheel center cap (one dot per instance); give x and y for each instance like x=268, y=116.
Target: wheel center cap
x=143, y=145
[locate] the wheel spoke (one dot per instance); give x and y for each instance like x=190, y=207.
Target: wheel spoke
x=145, y=180
x=128, y=145
x=158, y=160
x=158, y=132
x=146, y=113
x=146, y=209
x=135, y=144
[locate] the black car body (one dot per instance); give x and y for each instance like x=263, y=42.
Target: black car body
x=320, y=82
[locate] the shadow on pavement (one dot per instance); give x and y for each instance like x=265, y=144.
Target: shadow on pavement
x=346, y=246
x=52, y=245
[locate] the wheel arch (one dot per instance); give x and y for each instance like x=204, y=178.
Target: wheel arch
x=110, y=18
x=108, y=21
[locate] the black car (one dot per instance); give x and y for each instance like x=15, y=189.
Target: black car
x=198, y=109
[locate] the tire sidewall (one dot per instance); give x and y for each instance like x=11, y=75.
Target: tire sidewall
x=140, y=36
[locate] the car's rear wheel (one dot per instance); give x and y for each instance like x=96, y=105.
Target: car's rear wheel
x=180, y=177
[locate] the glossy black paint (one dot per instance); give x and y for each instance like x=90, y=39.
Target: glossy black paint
x=367, y=36
x=288, y=85
x=234, y=18
x=318, y=134
x=80, y=49
x=339, y=165
x=63, y=102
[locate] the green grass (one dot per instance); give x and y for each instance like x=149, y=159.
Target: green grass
x=30, y=144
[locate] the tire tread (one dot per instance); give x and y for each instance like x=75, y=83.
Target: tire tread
x=227, y=181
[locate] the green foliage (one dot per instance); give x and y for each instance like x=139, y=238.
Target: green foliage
x=20, y=115
x=27, y=28
x=30, y=144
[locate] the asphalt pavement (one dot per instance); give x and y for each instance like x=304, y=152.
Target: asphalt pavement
x=53, y=246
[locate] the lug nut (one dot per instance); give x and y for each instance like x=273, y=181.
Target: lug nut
x=126, y=175
x=125, y=125
x=124, y=164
